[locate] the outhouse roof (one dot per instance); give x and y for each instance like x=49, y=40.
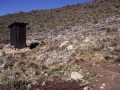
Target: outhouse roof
x=17, y=23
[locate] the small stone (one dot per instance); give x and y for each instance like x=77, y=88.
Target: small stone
x=94, y=64
x=101, y=87
x=103, y=84
x=65, y=74
x=102, y=58
x=46, y=74
x=67, y=61
x=69, y=79
x=107, y=49
x=34, y=73
x=70, y=47
x=2, y=54
x=87, y=40
x=64, y=43
x=2, y=70
x=34, y=83
x=3, y=65
x=1, y=46
x=28, y=42
x=29, y=86
x=93, y=85
x=44, y=83
x=85, y=88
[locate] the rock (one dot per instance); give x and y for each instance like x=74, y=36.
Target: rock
x=64, y=43
x=87, y=40
x=44, y=83
x=68, y=60
x=70, y=47
x=28, y=42
x=2, y=54
x=76, y=76
x=103, y=84
x=101, y=87
x=34, y=83
x=82, y=46
x=29, y=86
x=85, y=88
x=117, y=58
x=3, y=65
x=1, y=46
x=108, y=49
x=94, y=64
x=46, y=74
x=75, y=41
x=7, y=46
x=102, y=58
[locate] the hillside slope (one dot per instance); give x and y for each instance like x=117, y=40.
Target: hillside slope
x=92, y=50
x=66, y=16
x=84, y=44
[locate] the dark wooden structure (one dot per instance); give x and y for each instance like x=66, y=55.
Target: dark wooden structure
x=18, y=34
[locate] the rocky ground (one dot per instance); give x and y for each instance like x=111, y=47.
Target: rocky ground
x=88, y=54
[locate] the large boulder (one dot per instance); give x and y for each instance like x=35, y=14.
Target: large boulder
x=76, y=76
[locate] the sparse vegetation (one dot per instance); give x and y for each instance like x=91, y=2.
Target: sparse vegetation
x=66, y=16
x=66, y=40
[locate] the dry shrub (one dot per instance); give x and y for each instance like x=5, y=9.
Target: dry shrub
x=14, y=85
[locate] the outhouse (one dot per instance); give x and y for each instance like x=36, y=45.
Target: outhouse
x=18, y=34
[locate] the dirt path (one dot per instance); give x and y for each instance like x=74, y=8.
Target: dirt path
x=110, y=77
x=59, y=85
x=11, y=51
